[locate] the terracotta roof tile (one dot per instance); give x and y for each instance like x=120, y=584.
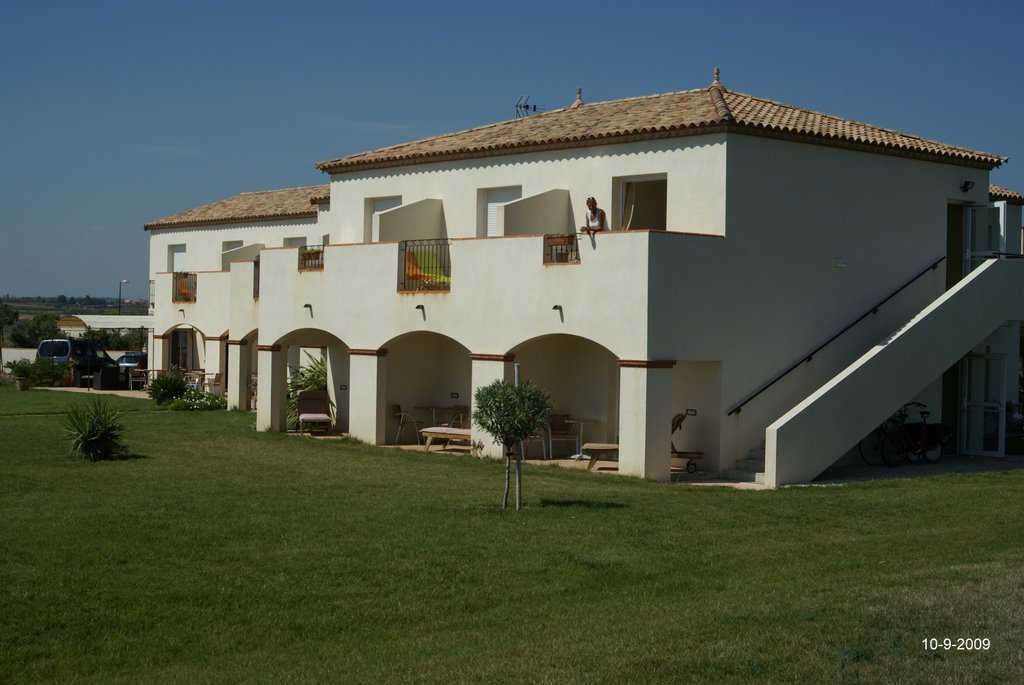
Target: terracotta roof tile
x=704, y=110
x=267, y=205
x=996, y=193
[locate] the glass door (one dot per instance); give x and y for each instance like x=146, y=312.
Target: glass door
x=984, y=234
x=983, y=429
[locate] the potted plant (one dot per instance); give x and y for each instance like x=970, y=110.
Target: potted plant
x=22, y=375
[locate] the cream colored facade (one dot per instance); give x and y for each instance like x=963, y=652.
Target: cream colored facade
x=768, y=248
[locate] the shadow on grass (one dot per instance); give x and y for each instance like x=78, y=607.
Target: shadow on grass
x=581, y=503
x=113, y=457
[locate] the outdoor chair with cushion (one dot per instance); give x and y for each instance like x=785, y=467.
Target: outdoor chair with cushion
x=314, y=408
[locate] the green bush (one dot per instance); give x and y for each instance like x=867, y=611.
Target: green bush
x=95, y=432
x=46, y=374
x=167, y=388
x=197, y=400
x=19, y=369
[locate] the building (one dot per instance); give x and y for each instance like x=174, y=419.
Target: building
x=748, y=238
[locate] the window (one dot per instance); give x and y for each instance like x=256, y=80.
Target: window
x=643, y=202
x=228, y=245
x=176, y=258
x=295, y=242
x=374, y=206
x=494, y=199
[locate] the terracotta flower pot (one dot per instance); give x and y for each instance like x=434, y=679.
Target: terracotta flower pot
x=23, y=383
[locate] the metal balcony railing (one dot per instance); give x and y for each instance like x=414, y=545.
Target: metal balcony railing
x=424, y=265
x=311, y=258
x=561, y=248
x=184, y=287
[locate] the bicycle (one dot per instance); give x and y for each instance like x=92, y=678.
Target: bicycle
x=896, y=440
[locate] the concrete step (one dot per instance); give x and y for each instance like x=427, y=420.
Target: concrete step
x=743, y=476
x=751, y=463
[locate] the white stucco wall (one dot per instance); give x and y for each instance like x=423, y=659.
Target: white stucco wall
x=695, y=168
x=204, y=243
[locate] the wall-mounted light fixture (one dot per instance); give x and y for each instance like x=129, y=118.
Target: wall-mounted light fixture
x=423, y=311
x=182, y=312
x=966, y=186
x=561, y=314
x=310, y=308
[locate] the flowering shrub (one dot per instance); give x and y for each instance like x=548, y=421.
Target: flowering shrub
x=197, y=400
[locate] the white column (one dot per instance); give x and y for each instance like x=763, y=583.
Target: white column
x=645, y=418
x=159, y=352
x=338, y=381
x=486, y=369
x=238, y=373
x=272, y=389
x=367, y=386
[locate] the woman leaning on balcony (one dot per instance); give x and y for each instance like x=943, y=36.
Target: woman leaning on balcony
x=596, y=218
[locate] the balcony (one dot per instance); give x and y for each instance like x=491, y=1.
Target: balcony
x=311, y=258
x=424, y=265
x=561, y=248
x=184, y=287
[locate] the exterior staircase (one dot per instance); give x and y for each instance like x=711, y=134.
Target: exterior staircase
x=816, y=432
x=750, y=469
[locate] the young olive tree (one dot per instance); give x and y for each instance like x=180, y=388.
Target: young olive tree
x=510, y=414
x=8, y=317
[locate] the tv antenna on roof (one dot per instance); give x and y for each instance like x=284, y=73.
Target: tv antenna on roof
x=524, y=108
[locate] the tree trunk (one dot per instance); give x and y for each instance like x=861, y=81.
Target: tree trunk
x=519, y=480
x=508, y=465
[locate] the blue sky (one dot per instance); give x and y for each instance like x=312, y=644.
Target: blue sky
x=118, y=113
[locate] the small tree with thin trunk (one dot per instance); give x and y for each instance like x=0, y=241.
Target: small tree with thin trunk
x=510, y=414
x=8, y=317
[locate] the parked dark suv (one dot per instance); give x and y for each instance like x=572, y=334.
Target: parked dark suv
x=89, y=357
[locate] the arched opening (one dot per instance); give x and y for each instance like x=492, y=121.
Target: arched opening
x=429, y=376
x=306, y=348
x=583, y=380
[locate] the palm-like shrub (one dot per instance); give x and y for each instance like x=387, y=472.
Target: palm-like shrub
x=95, y=432
x=167, y=388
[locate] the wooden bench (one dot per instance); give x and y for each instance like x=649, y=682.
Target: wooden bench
x=446, y=433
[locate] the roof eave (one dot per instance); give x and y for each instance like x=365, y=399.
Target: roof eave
x=347, y=165
x=261, y=218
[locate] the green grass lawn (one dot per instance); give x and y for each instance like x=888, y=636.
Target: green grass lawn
x=218, y=554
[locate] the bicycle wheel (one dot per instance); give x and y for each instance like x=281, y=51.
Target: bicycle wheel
x=893, y=450
x=869, y=449
x=913, y=456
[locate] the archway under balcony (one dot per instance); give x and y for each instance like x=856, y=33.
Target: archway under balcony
x=429, y=376
x=182, y=347
x=242, y=370
x=582, y=378
x=292, y=352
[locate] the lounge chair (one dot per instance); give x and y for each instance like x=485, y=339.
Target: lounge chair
x=424, y=269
